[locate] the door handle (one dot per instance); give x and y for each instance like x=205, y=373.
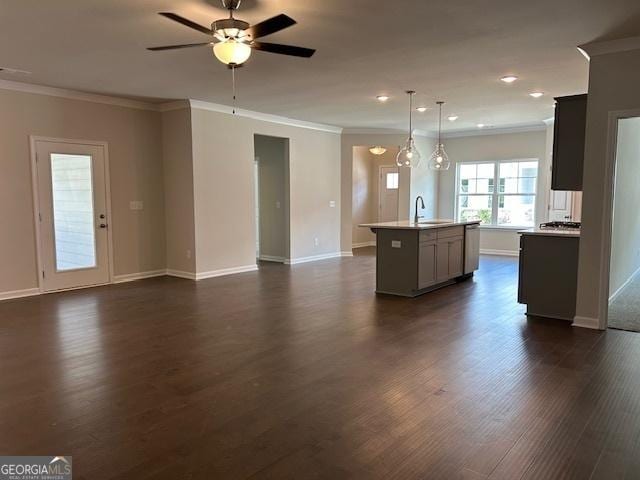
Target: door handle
x=103, y=225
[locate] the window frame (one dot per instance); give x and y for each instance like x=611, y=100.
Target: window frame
x=496, y=192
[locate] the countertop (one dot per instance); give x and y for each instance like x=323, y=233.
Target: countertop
x=551, y=232
x=409, y=225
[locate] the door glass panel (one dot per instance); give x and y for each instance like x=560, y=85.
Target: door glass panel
x=72, y=187
x=392, y=181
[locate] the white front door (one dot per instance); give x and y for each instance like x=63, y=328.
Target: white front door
x=72, y=214
x=388, y=194
x=560, y=206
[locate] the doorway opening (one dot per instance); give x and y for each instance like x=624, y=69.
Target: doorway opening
x=624, y=266
x=377, y=190
x=271, y=171
x=71, y=213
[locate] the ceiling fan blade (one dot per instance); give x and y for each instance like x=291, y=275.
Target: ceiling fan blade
x=186, y=22
x=175, y=47
x=269, y=26
x=283, y=49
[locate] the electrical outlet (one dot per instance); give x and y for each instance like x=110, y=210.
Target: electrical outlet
x=316, y=242
x=188, y=253
x=332, y=203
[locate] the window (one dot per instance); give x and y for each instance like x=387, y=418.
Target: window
x=392, y=181
x=511, y=204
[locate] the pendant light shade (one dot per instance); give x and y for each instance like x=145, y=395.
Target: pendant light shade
x=409, y=156
x=439, y=159
x=377, y=150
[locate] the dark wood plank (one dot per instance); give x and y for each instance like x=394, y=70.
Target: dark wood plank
x=303, y=372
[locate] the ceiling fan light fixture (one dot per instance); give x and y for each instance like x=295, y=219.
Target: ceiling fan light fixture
x=377, y=150
x=232, y=52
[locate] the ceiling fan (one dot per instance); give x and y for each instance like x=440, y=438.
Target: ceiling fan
x=233, y=39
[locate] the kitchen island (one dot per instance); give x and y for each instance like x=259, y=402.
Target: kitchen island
x=413, y=258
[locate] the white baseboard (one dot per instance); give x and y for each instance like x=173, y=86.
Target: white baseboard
x=505, y=253
x=314, y=258
x=130, y=277
x=28, y=292
x=627, y=282
x=346, y=254
x=271, y=258
x=226, y=271
x=586, y=322
x=181, y=274
x=372, y=243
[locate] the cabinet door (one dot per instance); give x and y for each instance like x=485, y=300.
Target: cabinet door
x=442, y=261
x=568, y=142
x=427, y=265
x=455, y=257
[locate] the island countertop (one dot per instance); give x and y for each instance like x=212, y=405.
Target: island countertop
x=424, y=225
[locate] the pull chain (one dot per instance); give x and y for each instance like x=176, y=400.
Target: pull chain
x=233, y=81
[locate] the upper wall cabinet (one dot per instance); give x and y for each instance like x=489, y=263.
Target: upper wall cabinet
x=568, y=142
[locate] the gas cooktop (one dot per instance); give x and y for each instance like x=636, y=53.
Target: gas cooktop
x=561, y=225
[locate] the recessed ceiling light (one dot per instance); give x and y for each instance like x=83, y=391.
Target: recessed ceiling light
x=421, y=109
x=536, y=94
x=509, y=78
x=481, y=125
x=452, y=118
x=382, y=98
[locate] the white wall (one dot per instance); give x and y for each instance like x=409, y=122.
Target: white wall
x=136, y=170
x=487, y=147
x=625, y=238
x=223, y=156
x=363, y=185
x=178, y=190
x=613, y=86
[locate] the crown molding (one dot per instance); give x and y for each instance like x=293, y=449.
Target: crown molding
x=386, y=131
x=611, y=46
x=494, y=131
x=76, y=95
x=264, y=117
x=170, y=106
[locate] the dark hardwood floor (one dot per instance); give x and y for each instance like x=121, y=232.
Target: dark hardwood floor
x=303, y=372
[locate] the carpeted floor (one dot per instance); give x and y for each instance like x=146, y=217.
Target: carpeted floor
x=624, y=309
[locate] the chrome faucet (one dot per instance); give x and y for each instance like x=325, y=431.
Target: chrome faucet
x=417, y=217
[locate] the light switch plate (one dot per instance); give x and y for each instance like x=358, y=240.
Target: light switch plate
x=136, y=205
x=396, y=244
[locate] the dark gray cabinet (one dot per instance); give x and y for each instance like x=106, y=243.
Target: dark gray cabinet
x=410, y=262
x=568, y=142
x=427, y=264
x=449, y=261
x=548, y=275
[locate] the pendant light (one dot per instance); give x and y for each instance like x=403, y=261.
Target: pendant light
x=409, y=156
x=439, y=159
x=377, y=150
